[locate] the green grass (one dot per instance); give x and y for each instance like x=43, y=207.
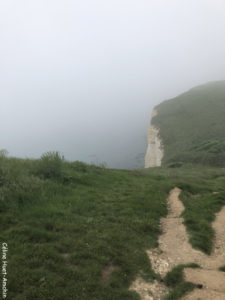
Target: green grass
x=62, y=233
x=180, y=290
x=222, y=268
x=192, y=126
x=175, y=280
x=66, y=222
x=198, y=184
x=198, y=216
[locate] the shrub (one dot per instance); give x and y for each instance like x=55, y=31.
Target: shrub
x=50, y=165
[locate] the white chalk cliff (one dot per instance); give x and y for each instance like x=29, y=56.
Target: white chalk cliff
x=154, y=153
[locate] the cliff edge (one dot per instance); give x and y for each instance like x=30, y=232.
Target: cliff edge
x=154, y=153
x=191, y=127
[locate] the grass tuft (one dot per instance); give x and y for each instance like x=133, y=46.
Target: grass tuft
x=175, y=280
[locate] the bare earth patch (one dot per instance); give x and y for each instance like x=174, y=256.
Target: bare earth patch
x=174, y=249
x=149, y=291
x=65, y=255
x=107, y=272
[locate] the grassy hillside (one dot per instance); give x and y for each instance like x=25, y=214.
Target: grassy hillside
x=77, y=231
x=65, y=223
x=192, y=126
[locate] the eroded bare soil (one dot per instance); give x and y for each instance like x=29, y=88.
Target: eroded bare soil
x=174, y=249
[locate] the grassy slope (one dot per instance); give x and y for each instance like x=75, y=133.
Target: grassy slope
x=62, y=235
x=192, y=125
x=65, y=222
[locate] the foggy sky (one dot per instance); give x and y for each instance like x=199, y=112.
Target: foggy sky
x=82, y=77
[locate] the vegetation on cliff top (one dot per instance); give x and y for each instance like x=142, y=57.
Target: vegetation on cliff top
x=192, y=126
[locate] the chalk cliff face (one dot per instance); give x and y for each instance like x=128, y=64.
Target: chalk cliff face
x=154, y=153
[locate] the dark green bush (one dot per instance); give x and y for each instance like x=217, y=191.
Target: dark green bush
x=50, y=165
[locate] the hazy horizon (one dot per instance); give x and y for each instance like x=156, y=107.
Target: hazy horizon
x=81, y=77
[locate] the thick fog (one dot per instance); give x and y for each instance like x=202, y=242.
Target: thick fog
x=82, y=76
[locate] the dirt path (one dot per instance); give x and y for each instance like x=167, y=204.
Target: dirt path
x=174, y=249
